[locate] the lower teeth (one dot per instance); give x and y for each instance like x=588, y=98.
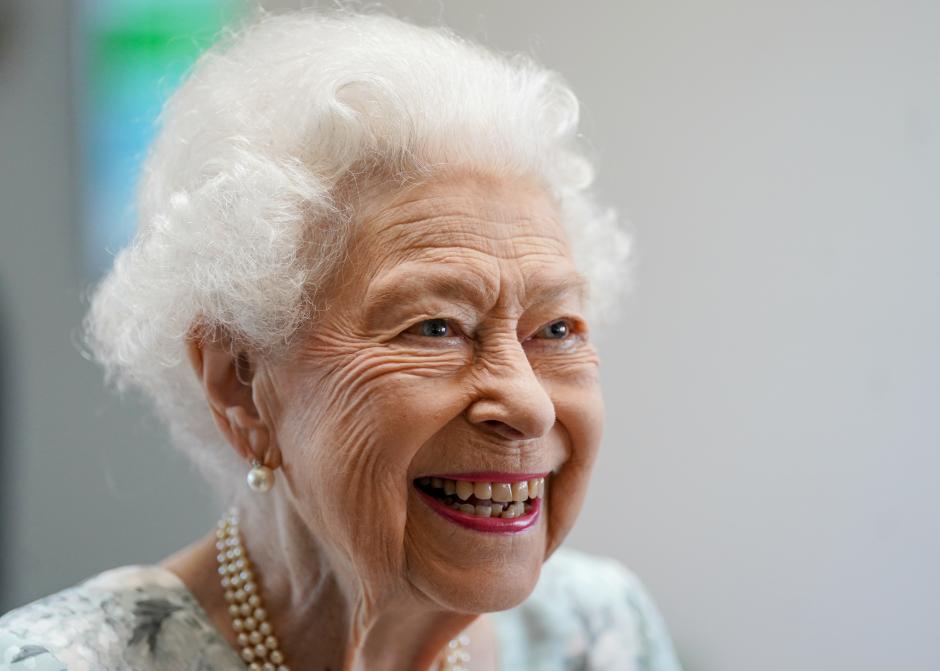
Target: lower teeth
x=494, y=509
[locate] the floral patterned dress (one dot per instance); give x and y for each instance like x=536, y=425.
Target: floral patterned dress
x=586, y=613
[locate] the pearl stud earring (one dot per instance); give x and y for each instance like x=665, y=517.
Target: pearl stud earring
x=260, y=477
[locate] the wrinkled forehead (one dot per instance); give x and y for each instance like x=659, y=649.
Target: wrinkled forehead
x=483, y=221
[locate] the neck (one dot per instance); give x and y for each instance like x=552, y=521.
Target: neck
x=319, y=608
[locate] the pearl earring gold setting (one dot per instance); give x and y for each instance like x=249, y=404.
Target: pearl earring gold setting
x=260, y=477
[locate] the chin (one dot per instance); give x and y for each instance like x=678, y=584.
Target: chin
x=460, y=568
x=484, y=589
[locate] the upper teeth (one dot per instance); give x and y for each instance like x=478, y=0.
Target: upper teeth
x=492, y=499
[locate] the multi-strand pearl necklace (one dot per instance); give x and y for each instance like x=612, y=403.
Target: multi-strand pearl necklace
x=259, y=646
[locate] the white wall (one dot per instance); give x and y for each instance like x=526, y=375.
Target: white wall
x=773, y=441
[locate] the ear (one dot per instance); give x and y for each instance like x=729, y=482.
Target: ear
x=226, y=377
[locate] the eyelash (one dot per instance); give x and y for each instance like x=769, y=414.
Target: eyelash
x=569, y=332
x=420, y=324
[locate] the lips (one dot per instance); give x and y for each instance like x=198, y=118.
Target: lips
x=489, y=502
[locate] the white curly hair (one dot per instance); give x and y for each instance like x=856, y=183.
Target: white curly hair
x=240, y=205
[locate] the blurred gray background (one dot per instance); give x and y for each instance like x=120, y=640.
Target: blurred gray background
x=773, y=440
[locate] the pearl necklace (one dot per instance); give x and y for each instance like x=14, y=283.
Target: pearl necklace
x=259, y=646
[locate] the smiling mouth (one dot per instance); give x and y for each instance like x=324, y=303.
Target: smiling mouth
x=485, y=505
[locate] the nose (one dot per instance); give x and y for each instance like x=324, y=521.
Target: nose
x=510, y=400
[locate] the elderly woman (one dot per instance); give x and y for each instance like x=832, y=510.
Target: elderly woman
x=359, y=298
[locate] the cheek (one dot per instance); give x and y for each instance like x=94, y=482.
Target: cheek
x=351, y=427
x=579, y=409
x=397, y=398
x=370, y=404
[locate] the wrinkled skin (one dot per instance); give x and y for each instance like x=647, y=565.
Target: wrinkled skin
x=352, y=561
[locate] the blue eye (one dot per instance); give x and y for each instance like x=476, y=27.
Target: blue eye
x=433, y=328
x=555, y=331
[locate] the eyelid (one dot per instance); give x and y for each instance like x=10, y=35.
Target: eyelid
x=456, y=328
x=577, y=330
x=553, y=322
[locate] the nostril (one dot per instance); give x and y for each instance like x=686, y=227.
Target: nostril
x=504, y=429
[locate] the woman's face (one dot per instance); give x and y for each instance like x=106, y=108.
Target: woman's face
x=452, y=358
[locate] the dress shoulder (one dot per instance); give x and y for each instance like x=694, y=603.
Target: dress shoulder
x=586, y=612
x=132, y=617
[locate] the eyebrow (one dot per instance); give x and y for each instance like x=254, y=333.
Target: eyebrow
x=411, y=280
x=558, y=287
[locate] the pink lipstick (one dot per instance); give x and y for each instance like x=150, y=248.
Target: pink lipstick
x=485, y=524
